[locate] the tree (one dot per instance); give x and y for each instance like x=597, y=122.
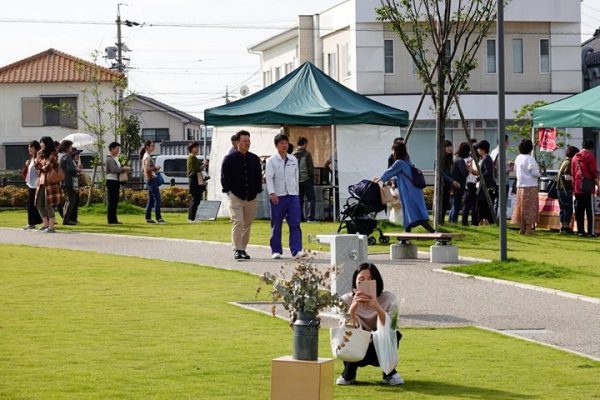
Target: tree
x=443, y=38
x=523, y=129
x=131, y=140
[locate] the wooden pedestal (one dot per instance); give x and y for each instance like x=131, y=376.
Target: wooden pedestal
x=301, y=380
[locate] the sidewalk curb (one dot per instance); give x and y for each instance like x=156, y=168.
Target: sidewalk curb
x=552, y=346
x=574, y=296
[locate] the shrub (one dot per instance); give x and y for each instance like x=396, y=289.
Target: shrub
x=13, y=196
x=428, y=193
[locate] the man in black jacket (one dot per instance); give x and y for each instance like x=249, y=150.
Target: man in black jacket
x=241, y=179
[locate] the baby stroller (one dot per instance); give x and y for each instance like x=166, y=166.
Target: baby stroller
x=358, y=214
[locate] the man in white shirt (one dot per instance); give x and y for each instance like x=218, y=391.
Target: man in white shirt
x=281, y=173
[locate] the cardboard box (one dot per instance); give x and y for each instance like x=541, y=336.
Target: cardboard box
x=301, y=380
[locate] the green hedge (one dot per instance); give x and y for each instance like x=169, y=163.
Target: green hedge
x=172, y=197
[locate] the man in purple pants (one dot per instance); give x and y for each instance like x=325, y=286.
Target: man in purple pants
x=281, y=174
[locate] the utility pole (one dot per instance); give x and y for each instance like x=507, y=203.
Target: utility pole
x=501, y=133
x=226, y=97
x=121, y=70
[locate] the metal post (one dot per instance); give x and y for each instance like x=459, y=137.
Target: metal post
x=333, y=170
x=501, y=124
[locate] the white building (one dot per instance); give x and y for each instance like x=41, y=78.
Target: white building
x=542, y=52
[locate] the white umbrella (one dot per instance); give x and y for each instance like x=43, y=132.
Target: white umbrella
x=80, y=139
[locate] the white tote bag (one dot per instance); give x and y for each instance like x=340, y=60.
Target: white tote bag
x=349, y=344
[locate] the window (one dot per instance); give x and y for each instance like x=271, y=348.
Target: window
x=345, y=60
x=277, y=73
x=388, y=55
x=16, y=155
x=332, y=65
x=544, y=56
x=517, y=56
x=176, y=168
x=49, y=111
x=158, y=135
x=190, y=134
x=491, y=56
x=266, y=78
x=289, y=67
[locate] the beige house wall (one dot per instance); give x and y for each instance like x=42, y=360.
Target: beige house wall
x=334, y=43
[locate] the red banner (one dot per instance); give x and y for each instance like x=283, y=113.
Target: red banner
x=547, y=139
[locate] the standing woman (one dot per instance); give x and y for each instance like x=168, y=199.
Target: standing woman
x=196, y=181
x=564, y=187
x=459, y=174
x=486, y=166
x=31, y=177
x=526, y=211
x=47, y=194
x=113, y=184
x=414, y=210
x=150, y=176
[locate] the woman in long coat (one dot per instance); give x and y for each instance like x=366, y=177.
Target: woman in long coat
x=414, y=210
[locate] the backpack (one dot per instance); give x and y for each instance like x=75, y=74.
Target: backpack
x=417, y=178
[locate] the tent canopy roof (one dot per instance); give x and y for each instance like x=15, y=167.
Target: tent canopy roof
x=578, y=111
x=305, y=97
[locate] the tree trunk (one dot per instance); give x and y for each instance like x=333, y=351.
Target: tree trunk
x=440, y=122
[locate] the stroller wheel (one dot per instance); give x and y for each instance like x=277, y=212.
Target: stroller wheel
x=371, y=240
x=384, y=239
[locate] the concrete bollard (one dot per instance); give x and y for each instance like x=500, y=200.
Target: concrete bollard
x=443, y=253
x=347, y=252
x=403, y=251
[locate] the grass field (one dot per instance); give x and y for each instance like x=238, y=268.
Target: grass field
x=547, y=259
x=78, y=325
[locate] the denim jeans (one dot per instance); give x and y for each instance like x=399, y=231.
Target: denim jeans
x=153, y=200
x=565, y=201
x=456, y=204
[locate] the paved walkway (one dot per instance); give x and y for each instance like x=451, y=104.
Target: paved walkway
x=428, y=298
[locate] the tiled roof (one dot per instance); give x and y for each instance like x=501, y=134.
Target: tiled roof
x=167, y=107
x=53, y=66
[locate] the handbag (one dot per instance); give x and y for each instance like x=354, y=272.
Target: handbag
x=54, y=176
x=159, y=179
x=123, y=177
x=552, y=190
x=417, y=178
x=587, y=185
x=386, y=194
x=349, y=344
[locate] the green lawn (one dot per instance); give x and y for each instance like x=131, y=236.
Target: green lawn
x=79, y=325
x=547, y=259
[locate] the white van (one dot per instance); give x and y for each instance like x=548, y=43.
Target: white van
x=174, y=168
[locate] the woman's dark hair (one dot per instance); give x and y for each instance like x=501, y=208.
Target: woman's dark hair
x=48, y=146
x=302, y=141
x=463, y=150
x=35, y=144
x=56, y=145
x=400, y=152
x=525, y=146
x=290, y=148
x=588, y=144
x=375, y=275
x=64, y=145
x=147, y=144
x=447, y=143
x=571, y=151
x=114, y=145
x=483, y=145
x=192, y=145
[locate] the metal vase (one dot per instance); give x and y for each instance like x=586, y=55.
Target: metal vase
x=306, y=337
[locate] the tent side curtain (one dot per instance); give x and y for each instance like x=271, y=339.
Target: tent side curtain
x=305, y=97
x=578, y=111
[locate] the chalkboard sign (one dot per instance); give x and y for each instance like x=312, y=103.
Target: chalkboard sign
x=208, y=210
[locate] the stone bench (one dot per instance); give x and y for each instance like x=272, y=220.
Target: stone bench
x=441, y=252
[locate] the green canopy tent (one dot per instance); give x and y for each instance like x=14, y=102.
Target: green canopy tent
x=578, y=111
x=306, y=96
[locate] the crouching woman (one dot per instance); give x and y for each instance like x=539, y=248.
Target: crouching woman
x=370, y=313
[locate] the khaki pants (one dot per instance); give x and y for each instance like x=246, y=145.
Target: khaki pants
x=242, y=214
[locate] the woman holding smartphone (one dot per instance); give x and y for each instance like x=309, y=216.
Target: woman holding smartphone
x=367, y=312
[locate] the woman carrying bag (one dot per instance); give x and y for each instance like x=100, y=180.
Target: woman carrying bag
x=48, y=193
x=197, y=183
x=376, y=314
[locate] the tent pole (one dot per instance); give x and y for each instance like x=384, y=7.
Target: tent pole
x=333, y=170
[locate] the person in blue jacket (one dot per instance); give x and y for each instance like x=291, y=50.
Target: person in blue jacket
x=414, y=210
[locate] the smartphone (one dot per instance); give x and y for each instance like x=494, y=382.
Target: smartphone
x=367, y=287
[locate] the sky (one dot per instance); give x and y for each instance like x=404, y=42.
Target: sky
x=187, y=67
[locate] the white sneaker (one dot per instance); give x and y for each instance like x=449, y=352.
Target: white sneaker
x=342, y=381
x=393, y=380
x=276, y=256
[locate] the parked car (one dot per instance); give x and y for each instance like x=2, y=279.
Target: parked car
x=174, y=168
